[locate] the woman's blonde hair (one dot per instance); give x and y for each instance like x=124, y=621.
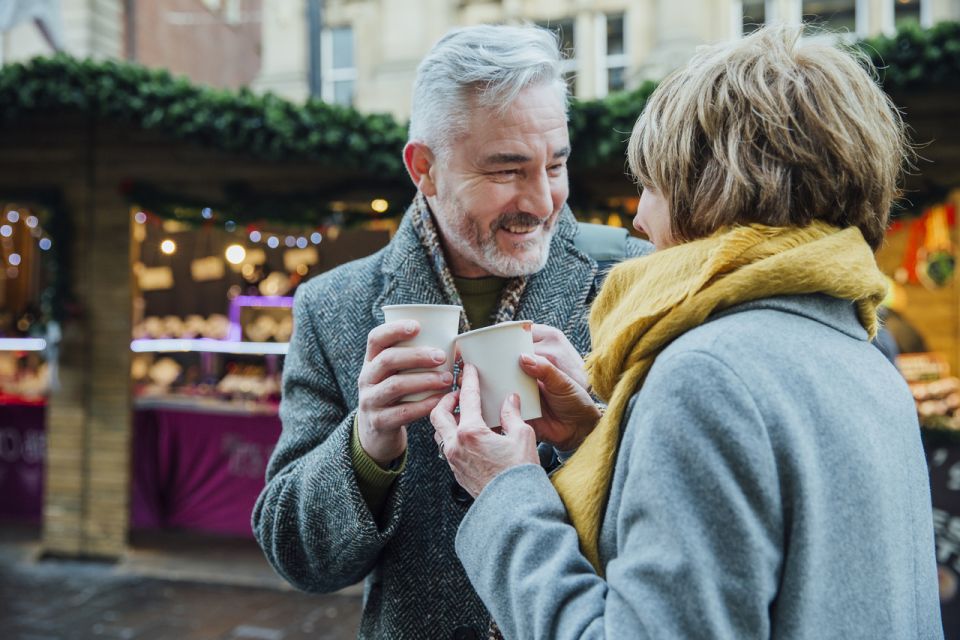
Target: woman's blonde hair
x=772, y=129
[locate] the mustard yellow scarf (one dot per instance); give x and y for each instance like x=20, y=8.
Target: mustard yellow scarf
x=648, y=302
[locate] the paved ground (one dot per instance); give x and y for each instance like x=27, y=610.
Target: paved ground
x=67, y=600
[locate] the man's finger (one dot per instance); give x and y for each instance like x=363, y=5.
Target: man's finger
x=406, y=412
x=545, y=332
x=388, y=334
x=470, y=394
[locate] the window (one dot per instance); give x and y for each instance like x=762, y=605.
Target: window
x=339, y=71
x=831, y=16
x=906, y=11
x=565, y=31
x=753, y=15
x=838, y=16
x=615, y=54
x=916, y=11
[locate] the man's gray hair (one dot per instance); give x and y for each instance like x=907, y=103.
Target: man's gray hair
x=481, y=66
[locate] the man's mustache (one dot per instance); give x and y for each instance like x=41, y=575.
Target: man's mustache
x=518, y=219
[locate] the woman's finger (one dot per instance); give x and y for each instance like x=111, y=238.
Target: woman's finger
x=510, y=418
x=470, y=394
x=442, y=418
x=554, y=380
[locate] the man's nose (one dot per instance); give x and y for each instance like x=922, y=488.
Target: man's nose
x=536, y=198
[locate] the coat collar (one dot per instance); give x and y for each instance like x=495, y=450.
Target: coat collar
x=835, y=313
x=552, y=296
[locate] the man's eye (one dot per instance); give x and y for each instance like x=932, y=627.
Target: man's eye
x=506, y=173
x=556, y=168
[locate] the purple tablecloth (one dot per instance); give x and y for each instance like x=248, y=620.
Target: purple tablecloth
x=22, y=448
x=200, y=471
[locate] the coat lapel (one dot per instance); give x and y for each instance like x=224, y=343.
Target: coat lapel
x=408, y=277
x=557, y=294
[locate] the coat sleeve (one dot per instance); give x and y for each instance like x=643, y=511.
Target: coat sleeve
x=698, y=530
x=311, y=520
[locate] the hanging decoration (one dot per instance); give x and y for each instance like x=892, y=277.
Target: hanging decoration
x=930, y=257
x=936, y=260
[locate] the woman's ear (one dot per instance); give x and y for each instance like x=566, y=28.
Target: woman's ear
x=419, y=160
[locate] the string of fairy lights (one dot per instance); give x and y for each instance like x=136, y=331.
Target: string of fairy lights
x=12, y=224
x=254, y=235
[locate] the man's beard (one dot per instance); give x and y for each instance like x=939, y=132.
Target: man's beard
x=479, y=246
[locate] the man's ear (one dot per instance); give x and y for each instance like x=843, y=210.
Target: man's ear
x=419, y=159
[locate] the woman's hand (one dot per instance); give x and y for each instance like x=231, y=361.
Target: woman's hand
x=553, y=344
x=569, y=412
x=475, y=453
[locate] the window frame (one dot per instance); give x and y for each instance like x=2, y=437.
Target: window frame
x=606, y=61
x=329, y=75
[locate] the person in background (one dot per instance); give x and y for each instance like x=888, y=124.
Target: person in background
x=355, y=487
x=758, y=472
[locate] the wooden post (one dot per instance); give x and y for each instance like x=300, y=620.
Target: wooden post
x=86, y=505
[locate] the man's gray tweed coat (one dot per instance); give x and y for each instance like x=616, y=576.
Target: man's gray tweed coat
x=311, y=520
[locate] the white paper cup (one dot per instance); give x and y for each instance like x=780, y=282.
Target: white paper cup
x=495, y=352
x=439, y=326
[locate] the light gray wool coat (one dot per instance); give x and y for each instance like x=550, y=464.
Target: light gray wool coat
x=770, y=483
x=311, y=520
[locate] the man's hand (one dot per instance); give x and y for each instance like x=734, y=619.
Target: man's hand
x=382, y=417
x=569, y=413
x=552, y=344
x=474, y=452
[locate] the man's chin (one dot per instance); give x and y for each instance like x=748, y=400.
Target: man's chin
x=516, y=264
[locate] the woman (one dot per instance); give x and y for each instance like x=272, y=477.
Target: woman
x=758, y=472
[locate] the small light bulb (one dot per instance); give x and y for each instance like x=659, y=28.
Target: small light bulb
x=13, y=216
x=207, y=213
x=302, y=243
x=32, y=221
x=235, y=254
x=315, y=237
x=379, y=205
x=45, y=243
x=140, y=217
x=273, y=242
x=168, y=246
x=6, y=231
x=14, y=259
x=290, y=241
x=254, y=236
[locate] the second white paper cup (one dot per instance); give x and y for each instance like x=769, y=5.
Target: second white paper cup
x=495, y=352
x=439, y=326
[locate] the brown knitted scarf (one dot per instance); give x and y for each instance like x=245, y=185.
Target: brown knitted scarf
x=426, y=230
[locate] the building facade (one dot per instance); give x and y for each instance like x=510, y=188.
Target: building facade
x=365, y=52
x=212, y=42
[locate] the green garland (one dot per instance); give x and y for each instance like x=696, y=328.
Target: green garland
x=266, y=126
x=917, y=58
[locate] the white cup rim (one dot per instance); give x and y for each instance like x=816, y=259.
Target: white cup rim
x=494, y=327
x=422, y=306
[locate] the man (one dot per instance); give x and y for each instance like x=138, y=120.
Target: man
x=355, y=487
